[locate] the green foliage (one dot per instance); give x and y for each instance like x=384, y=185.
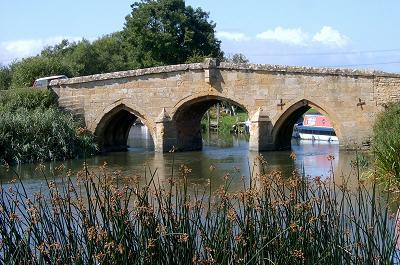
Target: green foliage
x=32, y=129
x=5, y=77
x=27, y=98
x=82, y=58
x=386, y=144
x=166, y=32
x=111, y=53
x=103, y=218
x=26, y=71
x=226, y=120
x=156, y=33
x=312, y=111
x=38, y=135
x=106, y=54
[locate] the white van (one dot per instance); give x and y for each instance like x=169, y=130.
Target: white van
x=45, y=81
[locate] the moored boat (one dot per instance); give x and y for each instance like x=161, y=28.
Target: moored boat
x=315, y=127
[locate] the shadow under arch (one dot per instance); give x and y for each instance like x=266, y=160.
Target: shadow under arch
x=113, y=127
x=187, y=118
x=283, y=128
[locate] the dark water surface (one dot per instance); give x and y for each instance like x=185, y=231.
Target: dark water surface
x=228, y=154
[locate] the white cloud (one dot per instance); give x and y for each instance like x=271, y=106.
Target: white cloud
x=330, y=37
x=235, y=36
x=11, y=50
x=295, y=36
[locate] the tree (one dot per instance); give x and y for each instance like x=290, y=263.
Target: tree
x=106, y=54
x=162, y=32
x=29, y=69
x=83, y=59
x=237, y=58
x=111, y=53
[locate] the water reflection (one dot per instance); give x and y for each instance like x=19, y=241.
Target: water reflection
x=227, y=153
x=312, y=157
x=140, y=139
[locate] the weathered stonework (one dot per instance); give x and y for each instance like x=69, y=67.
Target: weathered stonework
x=171, y=100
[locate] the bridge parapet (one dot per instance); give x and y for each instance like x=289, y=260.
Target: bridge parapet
x=215, y=64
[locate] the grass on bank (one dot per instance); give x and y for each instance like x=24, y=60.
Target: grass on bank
x=33, y=129
x=274, y=219
x=226, y=120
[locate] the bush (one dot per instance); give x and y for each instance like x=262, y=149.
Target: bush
x=27, y=98
x=41, y=135
x=32, y=129
x=5, y=77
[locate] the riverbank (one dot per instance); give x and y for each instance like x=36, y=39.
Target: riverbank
x=33, y=129
x=224, y=122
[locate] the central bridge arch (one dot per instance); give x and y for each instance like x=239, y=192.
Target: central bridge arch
x=187, y=117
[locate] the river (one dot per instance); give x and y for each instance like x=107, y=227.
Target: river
x=228, y=154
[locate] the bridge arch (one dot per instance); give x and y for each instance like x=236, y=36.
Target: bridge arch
x=187, y=115
x=112, y=126
x=283, y=127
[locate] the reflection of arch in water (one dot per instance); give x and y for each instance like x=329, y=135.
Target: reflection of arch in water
x=114, y=124
x=187, y=117
x=140, y=138
x=283, y=128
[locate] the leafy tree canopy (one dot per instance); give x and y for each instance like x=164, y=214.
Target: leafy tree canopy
x=162, y=32
x=157, y=32
x=27, y=70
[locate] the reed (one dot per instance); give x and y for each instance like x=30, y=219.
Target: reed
x=91, y=218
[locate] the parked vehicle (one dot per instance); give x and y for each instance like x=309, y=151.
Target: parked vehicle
x=44, y=82
x=316, y=128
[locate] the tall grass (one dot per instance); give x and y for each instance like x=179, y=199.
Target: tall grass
x=386, y=145
x=274, y=219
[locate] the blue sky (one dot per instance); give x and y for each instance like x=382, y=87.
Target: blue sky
x=352, y=34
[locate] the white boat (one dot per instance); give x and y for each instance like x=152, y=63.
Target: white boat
x=315, y=127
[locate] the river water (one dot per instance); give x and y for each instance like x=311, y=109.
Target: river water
x=228, y=154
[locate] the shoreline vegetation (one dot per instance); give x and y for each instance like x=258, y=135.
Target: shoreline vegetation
x=33, y=129
x=224, y=118
x=89, y=217
x=386, y=146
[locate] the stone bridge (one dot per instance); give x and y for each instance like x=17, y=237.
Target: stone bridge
x=171, y=101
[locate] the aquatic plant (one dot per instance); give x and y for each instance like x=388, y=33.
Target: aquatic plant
x=92, y=218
